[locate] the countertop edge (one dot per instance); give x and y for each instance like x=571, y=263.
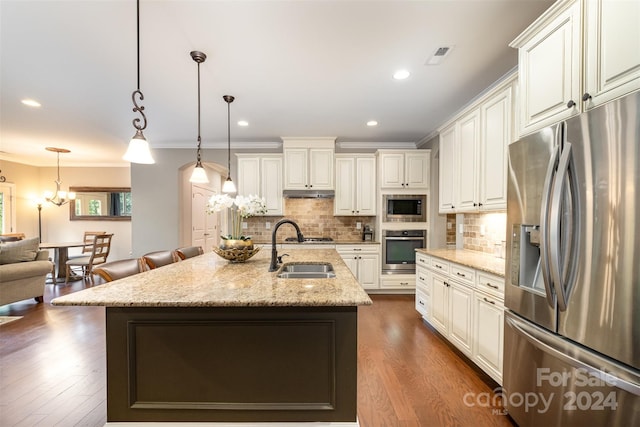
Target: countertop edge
x=473, y=259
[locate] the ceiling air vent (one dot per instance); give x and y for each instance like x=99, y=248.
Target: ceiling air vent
x=439, y=54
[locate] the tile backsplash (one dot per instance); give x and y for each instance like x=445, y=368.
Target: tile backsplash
x=485, y=232
x=451, y=229
x=315, y=218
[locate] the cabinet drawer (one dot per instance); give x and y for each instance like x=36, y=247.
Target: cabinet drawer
x=491, y=284
x=422, y=260
x=357, y=248
x=421, y=276
x=422, y=303
x=439, y=265
x=398, y=283
x=462, y=274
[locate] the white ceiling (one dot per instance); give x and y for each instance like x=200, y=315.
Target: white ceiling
x=296, y=68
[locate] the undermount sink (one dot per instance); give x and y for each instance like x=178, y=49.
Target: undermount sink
x=307, y=271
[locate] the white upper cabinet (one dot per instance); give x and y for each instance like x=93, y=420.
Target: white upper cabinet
x=446, y=172
x=261, y=175
x=308, y=163
x=355, y=185
x=577, y=55
x=612, y=50
x=473, y=154
x=467, y=162
x=496, y=127
x=407, y=169
x=549, y=68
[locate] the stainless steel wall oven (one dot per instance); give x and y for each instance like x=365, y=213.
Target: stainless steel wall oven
x=398, y=250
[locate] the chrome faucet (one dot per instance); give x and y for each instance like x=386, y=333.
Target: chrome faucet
x=274, y=253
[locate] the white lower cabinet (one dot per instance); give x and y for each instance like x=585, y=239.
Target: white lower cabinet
x=423, y=292
x=398, y=282
x=460, y=315
x=466, y=306
x=489, y=331
x=364, y=263
x=440, y=304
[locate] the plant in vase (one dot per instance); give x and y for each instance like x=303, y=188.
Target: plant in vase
x=240, y=207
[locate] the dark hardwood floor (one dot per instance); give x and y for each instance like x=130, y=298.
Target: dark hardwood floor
x=52, y=368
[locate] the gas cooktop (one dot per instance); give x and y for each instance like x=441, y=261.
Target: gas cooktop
x=310, y=239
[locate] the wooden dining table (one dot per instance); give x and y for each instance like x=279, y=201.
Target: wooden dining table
x=60, y=257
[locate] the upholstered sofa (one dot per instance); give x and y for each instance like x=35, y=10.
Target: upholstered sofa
x=23, y=271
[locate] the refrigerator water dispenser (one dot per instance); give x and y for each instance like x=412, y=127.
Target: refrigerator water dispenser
x=525, y=257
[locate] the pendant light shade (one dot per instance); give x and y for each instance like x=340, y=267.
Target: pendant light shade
x=228, y=186
x=199, y=175
x=138, y=151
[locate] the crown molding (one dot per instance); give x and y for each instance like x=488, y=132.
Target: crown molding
x=377, y=145
x=218, y=145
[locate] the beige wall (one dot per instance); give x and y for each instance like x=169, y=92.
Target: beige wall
x=31, y=182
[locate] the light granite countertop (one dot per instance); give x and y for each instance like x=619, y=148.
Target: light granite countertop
x=478, y=260
x=210, y=281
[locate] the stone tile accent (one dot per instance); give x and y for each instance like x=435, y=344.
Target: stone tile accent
x=495, y=225
x=315, y=218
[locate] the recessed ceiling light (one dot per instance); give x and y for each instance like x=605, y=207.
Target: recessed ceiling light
x=372, y=123
x=243, y=123
x=31, y=103
x=401, y=74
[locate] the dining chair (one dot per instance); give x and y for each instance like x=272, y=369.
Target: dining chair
x=115, y=270
x=88, y=242
x=189, y=252
x=99, y=252
x=159, y=258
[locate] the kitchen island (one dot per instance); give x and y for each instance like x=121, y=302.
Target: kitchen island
x=204, y=340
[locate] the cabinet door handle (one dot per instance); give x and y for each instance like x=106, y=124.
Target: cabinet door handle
x=438, y=266
x=357, y=249
x=420, y=260
x=492, y=286
x=586, y=97
x=421, y=278
x=420, y=302
x=475, y=204
x=310, y=185
x=404, y=283
x=479, y=204
x=453, y=207
x=489, y=301
x=359, y=257
x=446, y=284
x=460, y=274
x=571, y=104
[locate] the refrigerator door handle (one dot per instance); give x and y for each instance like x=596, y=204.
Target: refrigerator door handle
x=555, y=240
x=544, y=226
x=556, y=347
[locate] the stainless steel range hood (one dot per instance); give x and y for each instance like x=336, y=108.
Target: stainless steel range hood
x=308, y=194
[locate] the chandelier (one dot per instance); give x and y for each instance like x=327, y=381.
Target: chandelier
x=58, y=198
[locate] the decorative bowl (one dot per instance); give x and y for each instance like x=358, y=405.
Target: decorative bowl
x=236, y=255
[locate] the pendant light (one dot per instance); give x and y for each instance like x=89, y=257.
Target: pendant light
x=138, y=151
x=199, y=175
x=59, y=198
x=228, y=186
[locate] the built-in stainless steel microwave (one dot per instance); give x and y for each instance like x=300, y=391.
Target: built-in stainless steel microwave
x=404, y=208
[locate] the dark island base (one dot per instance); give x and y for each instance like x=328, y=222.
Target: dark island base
x=232, y=364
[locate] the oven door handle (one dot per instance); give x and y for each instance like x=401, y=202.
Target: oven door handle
x=404, y=238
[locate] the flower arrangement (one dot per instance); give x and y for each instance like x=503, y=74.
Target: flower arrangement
x=240, y=207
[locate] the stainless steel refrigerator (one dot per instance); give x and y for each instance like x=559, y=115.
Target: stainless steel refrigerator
x=572, y=325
